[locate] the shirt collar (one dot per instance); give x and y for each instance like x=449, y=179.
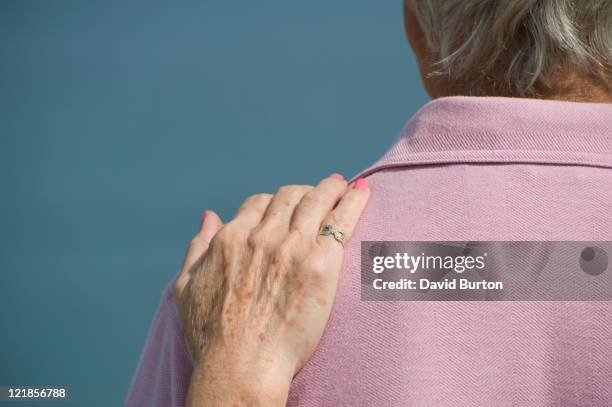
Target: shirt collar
x=503, y=130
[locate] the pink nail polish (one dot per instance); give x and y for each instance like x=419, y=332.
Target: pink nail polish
x=337, y=176
x=203, y=218
x=360, y=184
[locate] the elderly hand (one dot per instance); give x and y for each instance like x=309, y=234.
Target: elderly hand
x=255, y=294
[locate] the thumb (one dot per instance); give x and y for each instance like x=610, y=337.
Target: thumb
x=209, y=225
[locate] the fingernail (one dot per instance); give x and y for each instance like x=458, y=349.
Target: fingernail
x=337, y=176
x=203, y=218
x=360, y=184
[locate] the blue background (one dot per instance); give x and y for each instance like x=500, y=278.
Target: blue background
x=120, y=121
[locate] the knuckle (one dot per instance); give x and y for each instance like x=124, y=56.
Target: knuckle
x=285, y=254
x=248, y=202
x=260, y=238
x=227, y=235
x=284, y=189
x=315, y=268
x=224, y=247
x=288, y=191
x=222, y=235
x=289, y=250
x=289, y=246
x=293, y=190
x=302, y=243
x=306, y=188
x=313, y=198
x=257, y=199
x=263, y=197
x=295, y=237
x=253, y=239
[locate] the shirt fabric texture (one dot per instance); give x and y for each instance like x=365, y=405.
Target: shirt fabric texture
x=463, y=169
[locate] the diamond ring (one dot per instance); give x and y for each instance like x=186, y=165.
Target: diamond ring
x=329, y=230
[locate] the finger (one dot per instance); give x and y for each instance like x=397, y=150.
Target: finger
x=251, y=212
x=209, y=225
x=348, y=211
x=283, y=204
x=316, y=204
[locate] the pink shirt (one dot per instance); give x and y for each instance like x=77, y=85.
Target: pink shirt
x=463, y=168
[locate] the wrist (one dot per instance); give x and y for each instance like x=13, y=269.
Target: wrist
x=223, y=383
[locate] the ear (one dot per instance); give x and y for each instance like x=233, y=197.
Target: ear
x=434, y=85
x=414, y=32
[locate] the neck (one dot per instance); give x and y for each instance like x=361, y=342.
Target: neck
x=577, y=88
x=570, y=88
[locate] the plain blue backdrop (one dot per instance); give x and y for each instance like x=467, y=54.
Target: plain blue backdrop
x=120, y=121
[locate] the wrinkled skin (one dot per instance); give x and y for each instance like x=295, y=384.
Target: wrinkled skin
x=255, y=294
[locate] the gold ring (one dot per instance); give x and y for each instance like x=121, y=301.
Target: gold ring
x=329, y=230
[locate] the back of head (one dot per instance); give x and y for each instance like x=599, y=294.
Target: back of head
x=518, y=47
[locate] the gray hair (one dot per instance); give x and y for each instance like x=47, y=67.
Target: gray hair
x=528, y=41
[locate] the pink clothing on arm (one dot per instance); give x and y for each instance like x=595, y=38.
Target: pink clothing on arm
x=164, y=371
x=463, y=169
